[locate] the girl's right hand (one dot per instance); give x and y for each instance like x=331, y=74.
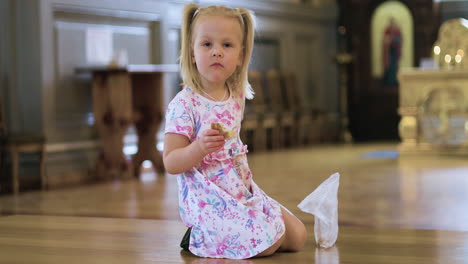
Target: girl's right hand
x=210, y=141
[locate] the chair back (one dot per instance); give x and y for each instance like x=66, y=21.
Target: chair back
x=290, y=91
x=258, y=102
x=274, y=91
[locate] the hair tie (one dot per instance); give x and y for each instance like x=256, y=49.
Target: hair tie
x=240, y=14
x=196, y=12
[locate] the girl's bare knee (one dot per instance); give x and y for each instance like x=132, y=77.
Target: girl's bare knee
x=296, y=240
x=296, y=235
x=300, y=238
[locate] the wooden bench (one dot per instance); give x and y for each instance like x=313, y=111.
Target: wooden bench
x=16, y=144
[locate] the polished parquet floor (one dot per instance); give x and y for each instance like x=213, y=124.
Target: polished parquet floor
x=392, y=209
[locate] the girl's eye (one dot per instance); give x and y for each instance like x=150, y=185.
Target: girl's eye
x=207, y=44
x=227, y=45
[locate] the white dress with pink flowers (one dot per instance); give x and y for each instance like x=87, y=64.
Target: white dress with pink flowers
x=230, y=216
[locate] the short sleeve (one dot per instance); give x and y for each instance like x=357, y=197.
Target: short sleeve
x=179, y=118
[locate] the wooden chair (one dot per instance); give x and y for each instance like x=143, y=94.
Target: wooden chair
x=305, y=121
x=16, y=144
x=252, y=123
x=291, y=105
x=277, y=119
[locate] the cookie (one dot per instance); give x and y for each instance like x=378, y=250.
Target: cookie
x=222, y=131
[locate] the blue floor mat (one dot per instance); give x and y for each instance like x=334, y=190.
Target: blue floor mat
x=381, y=154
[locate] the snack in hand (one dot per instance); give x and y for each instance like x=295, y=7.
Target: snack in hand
x=222, y=131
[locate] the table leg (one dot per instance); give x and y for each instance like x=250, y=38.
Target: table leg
x=147, y=104
x=112, y=105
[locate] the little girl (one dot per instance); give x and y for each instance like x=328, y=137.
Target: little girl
x=228, y=214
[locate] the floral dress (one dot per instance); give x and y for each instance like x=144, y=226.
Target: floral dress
x=230, y=216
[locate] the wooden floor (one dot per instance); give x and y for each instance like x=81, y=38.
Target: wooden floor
x=406, y=209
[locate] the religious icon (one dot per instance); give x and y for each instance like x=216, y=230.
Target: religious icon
x=392, y=43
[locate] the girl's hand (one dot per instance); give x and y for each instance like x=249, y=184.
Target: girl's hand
x=210, y=141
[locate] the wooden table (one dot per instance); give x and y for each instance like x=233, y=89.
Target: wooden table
x=121, y=97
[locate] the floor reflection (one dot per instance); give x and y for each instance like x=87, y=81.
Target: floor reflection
x=322, y=256
x=327, y=255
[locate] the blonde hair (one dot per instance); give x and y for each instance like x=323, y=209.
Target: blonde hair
x=237, y=82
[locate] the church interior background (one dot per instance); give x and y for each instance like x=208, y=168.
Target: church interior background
x=384, y=77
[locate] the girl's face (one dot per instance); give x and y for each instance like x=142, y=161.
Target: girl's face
x=217, y=49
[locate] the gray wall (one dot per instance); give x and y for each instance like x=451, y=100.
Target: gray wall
x=25, y=88
x=4, y=54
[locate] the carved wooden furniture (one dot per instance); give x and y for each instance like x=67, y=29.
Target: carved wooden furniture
x=122, y=97
x=343, y=59
x=433, y=107
x=273, y=115
x=301, y=131
x=279, y=106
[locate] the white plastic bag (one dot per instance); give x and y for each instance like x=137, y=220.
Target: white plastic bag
x=323, y=204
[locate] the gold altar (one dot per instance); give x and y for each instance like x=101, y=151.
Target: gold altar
x=433, y=106
x=433, y=103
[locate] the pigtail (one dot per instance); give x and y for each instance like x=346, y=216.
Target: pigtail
x=187, y=66
x=249, y=28
x=239, y=82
